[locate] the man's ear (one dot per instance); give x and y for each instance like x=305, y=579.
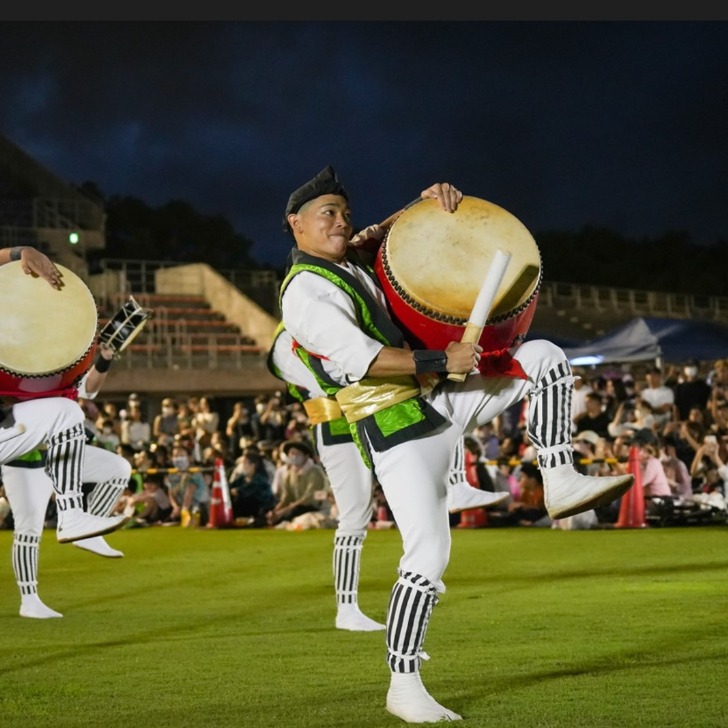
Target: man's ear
x=295, y=222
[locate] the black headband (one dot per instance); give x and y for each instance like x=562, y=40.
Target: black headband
x=324, y=183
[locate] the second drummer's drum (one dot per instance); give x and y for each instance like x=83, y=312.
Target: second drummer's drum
x=47, y=336
x=432, y=264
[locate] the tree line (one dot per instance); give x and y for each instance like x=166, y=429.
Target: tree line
x=671, y=263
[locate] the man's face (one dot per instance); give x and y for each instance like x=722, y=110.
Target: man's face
x=322, y=227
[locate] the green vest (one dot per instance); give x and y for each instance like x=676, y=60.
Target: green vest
x=392, y=425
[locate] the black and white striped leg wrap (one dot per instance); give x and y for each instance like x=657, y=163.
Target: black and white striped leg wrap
x=347, y=563
x=103, y=498
x=457, y=467
x=25, y=562
x=64, y=462
x=410, y=606
x=549, y=417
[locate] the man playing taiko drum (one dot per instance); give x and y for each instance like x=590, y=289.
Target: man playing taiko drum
x=334, y=308
x=55, y=424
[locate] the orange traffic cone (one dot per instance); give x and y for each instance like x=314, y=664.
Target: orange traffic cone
x=473, y=517
x=221, y=507
x=632, y=507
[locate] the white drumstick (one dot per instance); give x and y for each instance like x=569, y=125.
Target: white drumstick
x=484, y=303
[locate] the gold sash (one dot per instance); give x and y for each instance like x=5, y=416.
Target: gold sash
x=371, y=394
x=322, y=409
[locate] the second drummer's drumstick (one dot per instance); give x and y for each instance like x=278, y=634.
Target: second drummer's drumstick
x=484, y=303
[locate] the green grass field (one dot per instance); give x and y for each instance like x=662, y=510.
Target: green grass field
x=235, y=628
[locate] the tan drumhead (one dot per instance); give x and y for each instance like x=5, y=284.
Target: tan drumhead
x=439, y=260
x=44, y=330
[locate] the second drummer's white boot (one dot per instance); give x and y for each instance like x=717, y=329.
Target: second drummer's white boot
x=75, y=524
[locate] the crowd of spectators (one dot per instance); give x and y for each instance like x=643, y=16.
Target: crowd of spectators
x=676, y=419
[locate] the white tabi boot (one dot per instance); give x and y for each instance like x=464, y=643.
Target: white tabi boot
x=98, y=545
x=31, y=606
x=568, y=492
x=462, y=497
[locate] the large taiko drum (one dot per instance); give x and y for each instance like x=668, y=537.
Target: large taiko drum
x=47, y=336
x=432, y=265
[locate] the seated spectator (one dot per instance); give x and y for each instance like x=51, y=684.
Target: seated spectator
x=205, y=421
x=623, y=422
x=166, y=424
x=585, y=444
x=185, y=419
x=676, y=472
x=188, y=491
x=238, y=429
x=251, y=493
x=691, y=390
x=614, y=394
x=719, y=426
x=654, y=480
x=478, y=474
x=106, y=437
x=659, y=396
x=489, y=441
x=217, y=449
x=152, y=505
x=594, y=418
x=687, y=435
x=707, y=457
x=507, y=478
x=135, y=430
x=530, y=508
x=302, y=484
x=161, y=457
x=710, y=476
x=143, y=460
x=270, y=451
x=273, y=419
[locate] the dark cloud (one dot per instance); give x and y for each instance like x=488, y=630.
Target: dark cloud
x=616, y=124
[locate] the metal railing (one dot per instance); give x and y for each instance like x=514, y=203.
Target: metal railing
x=169, y=343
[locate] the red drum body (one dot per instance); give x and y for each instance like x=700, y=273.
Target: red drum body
x=432, y=265
x=47, y=336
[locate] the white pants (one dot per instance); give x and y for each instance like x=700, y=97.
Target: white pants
x=29, y=489
x=351, y=483
x=28, y=425
x=413, y=475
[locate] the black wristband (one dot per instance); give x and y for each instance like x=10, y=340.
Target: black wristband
x=430, y=361
x=102, y=365
x=16, y=252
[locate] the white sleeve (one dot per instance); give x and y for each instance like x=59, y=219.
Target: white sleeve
x=322, y=318
x=82, y=393
x=291, y=368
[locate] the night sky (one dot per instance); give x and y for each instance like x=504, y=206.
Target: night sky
x=622, y=125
